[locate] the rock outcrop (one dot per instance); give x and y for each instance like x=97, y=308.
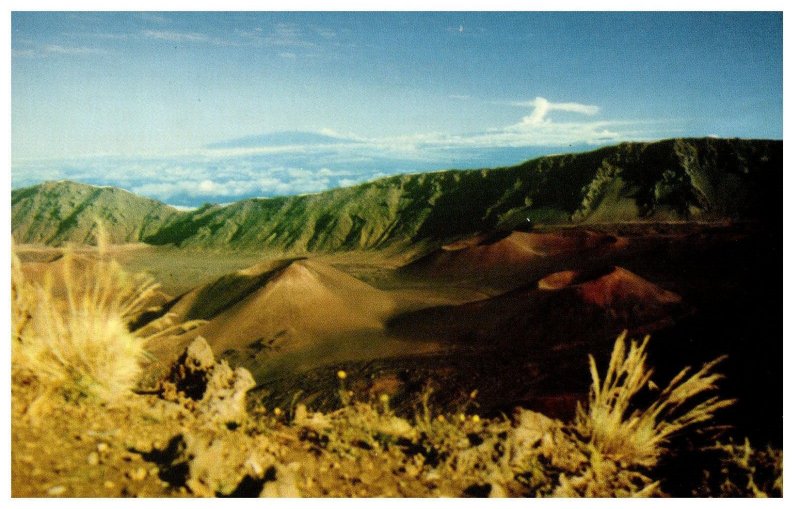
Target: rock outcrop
x=206, y=386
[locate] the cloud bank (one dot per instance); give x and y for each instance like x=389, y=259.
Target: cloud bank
x=306, y=162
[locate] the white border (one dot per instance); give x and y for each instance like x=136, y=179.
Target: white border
x=790, y=181
x=400, y=5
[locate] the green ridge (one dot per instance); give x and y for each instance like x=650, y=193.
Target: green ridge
x=56, y=213
x=704, y=179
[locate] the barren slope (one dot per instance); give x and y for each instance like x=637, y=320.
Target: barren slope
x=484, y=254
x=565, y=308
x=277, y=316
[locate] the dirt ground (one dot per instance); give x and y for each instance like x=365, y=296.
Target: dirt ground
x=150, y=445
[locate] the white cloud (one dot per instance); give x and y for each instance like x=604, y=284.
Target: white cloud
x=347, y=182
x=57, y=49
x=169, y=189
x=69, y=50
x=283, y=35
x=229, y=174
x=536, y=129
x=288, y=34
x=173, y=36
x=208, y=187
x=24, y=53
x=542, y=107
x=199, y=181
x=327, y=172
x=105, y=35
x=183, y=208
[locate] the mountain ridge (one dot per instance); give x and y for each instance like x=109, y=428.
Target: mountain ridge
x=55, y=213
x=695, y=179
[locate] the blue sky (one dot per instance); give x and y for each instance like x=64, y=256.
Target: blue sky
x=196, y=107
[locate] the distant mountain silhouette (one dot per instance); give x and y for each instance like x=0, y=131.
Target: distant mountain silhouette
x=280, y=139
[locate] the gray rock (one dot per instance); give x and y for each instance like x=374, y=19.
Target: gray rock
x=224, y=400
x=198, y=355
x=216, y=391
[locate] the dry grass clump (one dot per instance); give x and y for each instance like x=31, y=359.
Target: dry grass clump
x=23, y=299
x=634, y=436
x=464, y=455
x=609, y=450
x=70, y=333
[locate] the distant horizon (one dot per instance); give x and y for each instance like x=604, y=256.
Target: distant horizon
x=192, y=107
x=183, y=206
x=195, y=206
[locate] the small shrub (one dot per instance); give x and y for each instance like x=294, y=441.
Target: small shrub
x=609, y=450
x=633, y=436
x=76, y=339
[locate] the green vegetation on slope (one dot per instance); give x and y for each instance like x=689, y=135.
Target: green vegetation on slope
x=55, y=213
x=671, y=180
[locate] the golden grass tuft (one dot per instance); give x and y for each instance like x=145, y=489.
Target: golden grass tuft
x=610, y=449
x=638, y=436
x=76, y=339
